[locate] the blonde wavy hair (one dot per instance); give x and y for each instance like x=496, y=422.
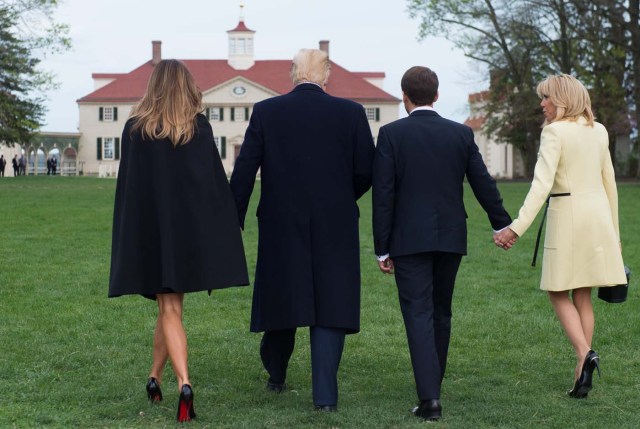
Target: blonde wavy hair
x=169, y=107
x=310, y=65
x=570, y=97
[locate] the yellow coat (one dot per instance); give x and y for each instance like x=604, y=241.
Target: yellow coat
x=582, y=238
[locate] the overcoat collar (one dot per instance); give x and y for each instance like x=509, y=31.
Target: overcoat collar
x=424, y=113
x=307, y=87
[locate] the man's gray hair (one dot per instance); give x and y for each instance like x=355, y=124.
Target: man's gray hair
x=310, y=65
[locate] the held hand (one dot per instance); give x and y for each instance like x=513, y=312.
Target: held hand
x=386, y=266
x=505, y=239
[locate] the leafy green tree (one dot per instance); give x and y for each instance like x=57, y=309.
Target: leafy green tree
x=523, y=41
x=27, y=33
x=623, y=17
x=501, y=34
x=602, y=65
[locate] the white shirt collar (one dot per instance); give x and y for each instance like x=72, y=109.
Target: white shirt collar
x=422, y=108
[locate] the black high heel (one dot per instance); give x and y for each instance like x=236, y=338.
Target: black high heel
x=584, y=383
x=153, y=390
x=185, y=404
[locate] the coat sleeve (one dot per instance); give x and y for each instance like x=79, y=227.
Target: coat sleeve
x=484, y=187
x=246, y=165
x=543, y=177
x=364, y=150
x=609, y=182
x=383, y=194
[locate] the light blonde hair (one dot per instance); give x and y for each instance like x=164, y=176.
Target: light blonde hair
x=169, y=107
x=569, y=96
x=310, y=65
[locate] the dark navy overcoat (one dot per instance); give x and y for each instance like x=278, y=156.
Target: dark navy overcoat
x=315, y=155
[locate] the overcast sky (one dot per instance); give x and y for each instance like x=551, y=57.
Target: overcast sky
x=365, y=35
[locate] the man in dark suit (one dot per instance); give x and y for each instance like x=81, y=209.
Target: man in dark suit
x=419, y=222
x=315, y=154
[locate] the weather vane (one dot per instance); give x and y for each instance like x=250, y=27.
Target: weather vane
x=241, y=10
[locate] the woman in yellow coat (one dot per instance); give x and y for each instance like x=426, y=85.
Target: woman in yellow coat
x=582, y=241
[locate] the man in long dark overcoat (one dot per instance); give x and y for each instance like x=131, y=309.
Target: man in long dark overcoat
x=315, y=154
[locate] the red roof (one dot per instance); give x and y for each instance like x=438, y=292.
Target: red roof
x=369, y=74
x=271, y=74
x=241, y=27
x=477, y=97
x=107, y=75
x=475, y=123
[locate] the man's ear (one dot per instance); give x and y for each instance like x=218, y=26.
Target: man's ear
x=436, y=97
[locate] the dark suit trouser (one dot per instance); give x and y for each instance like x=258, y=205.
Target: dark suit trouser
x=326, y=351
x=425, y=288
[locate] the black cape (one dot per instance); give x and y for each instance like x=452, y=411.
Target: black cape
x=175, y=224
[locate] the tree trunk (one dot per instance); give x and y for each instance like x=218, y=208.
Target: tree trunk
x=634, y=29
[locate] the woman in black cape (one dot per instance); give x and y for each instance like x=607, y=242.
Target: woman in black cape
x=175, y=225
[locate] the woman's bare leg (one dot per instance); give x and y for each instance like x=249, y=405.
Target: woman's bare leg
x=170, y=313
x=160, y=352
x=569, y=318
x=582, y=302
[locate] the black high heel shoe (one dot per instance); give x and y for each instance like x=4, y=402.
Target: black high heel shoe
x=153, y=390
x=185, y=404
x=584, y=383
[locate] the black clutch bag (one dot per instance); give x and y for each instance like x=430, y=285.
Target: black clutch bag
x=615, y=294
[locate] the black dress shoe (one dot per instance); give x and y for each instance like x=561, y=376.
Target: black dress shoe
x=584, y=383
x=185, y=404
x=326, y=408
x=578, y=391
x=153, y=390
x=429, y=409
x=276, y=387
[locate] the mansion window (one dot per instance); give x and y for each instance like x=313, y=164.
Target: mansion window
x=221, y=144
x=108, y=114
x=215, y=113
x=108, y=148
x=240, y=114
x=373, y=113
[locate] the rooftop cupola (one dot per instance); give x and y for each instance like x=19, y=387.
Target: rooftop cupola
x=241, y=45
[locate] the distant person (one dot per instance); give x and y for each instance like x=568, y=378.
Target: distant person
x=175, y=225
x=49, y=161
x=3, y=164
x=16, y=166
x=582, y=249
x=54, y=165
x=315, y=152
x=420, y=222
x=22, y=166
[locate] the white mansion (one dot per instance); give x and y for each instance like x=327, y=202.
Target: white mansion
x=230, y=89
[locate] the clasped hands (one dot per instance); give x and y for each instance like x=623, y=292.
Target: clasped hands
x=505, y=238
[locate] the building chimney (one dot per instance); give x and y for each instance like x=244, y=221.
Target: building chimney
x=156, y=52
x=324, y=46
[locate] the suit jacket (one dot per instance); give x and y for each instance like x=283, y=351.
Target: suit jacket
x=581, y=246
x=419, y=170
x=315, y=153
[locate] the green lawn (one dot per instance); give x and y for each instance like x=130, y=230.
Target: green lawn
x=70, y=357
